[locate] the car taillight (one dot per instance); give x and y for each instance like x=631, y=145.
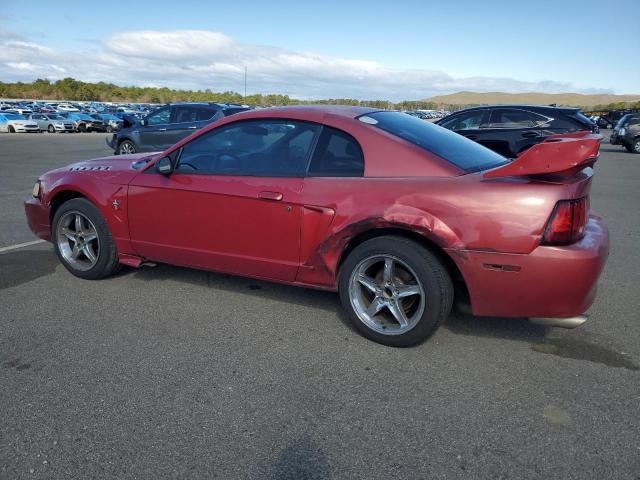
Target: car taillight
x=567, y=223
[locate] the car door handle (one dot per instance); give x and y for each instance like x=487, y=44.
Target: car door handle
x=193, y=127
x=529, y=134
x=275, y=196
x=471, y=137
x=162, y=129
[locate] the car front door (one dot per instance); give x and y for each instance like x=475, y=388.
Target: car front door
x=40, y=120
x=153, y=131
x=232, y=204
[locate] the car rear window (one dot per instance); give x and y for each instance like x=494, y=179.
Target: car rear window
x=452, y=147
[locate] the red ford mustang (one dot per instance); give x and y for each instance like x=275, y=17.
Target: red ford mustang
x=399, y=215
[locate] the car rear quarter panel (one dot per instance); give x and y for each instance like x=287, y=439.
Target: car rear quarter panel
x=458, y=214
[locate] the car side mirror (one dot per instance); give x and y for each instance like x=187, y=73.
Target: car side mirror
x=164, y=166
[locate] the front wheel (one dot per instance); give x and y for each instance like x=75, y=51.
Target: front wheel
x=126, y=147
x=82, y=240
x=395, y=291
x=11, y=129
x=51, y=129
x=109, y=129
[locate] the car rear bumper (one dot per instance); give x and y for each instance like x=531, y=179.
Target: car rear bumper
x=555, y=282
x=38, y=218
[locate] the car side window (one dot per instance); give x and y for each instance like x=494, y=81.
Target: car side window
x=265, y=148
x=160, y=117
x=465, y=121
x=515, y=118
x=337, y=154
x=189, y=114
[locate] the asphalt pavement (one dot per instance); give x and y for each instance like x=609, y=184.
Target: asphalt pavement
x=168, y=372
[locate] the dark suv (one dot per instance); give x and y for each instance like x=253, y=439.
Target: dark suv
x=166, y=126
x=511, y=129
x=627, y=132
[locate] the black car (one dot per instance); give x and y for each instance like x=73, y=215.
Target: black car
x=627, y=133
x=166, y=126
x=511, y=129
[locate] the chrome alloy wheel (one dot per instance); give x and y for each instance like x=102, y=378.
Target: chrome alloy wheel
x=386, y=294
x=127, y=148
x=78, y=240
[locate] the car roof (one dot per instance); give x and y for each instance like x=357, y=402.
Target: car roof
x=347, y=111
x=519, y=106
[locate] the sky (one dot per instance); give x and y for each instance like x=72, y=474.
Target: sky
x=376, y=49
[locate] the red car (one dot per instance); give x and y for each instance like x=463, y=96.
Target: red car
x=399, y=215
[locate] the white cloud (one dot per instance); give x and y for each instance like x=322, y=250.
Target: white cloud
x=197, y=59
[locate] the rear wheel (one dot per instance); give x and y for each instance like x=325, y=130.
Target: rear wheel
x=11, y=129
x=126, y=147
x=82, y=127
x=51, y=129
x=634, y=146
x=109, y=129
x=82, y=240
x=396, y=291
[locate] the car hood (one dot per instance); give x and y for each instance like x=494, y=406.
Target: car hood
x=113, y=169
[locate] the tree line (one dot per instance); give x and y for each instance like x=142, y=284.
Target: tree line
x=76, y=90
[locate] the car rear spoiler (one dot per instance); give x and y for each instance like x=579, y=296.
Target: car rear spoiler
x=562, y=154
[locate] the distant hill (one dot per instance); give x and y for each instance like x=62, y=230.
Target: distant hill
x=570, y=99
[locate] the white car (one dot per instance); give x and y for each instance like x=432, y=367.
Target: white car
x=66, y=107
x=14, y=123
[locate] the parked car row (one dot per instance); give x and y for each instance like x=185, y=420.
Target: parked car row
x=11, y=122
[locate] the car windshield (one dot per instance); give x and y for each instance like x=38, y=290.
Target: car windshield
x=622, y=120
x=583, y=118
x=84, y=116
x=14, y=116
x=462, y=152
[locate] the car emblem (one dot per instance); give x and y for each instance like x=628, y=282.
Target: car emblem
x=116, y=204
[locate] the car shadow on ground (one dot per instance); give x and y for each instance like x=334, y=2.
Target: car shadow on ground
x=22, y=266
x=577, y=344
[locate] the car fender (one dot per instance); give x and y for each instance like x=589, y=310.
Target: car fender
x=328, y=248
x=109, y=198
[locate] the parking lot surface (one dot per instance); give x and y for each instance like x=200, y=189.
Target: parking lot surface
x=168, y=372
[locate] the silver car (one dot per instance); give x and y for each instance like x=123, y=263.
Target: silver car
x=52, y=122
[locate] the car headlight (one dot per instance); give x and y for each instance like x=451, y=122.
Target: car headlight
x=622, y=131
x=36, y=190
x=59, y=124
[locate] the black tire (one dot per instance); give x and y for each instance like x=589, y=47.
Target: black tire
x=82, y=128
x=107, y=261
x=51, y=129
x=432, y=274
x=127, y=144
x=634, y=146
x=11, y=129
x=109, y=129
